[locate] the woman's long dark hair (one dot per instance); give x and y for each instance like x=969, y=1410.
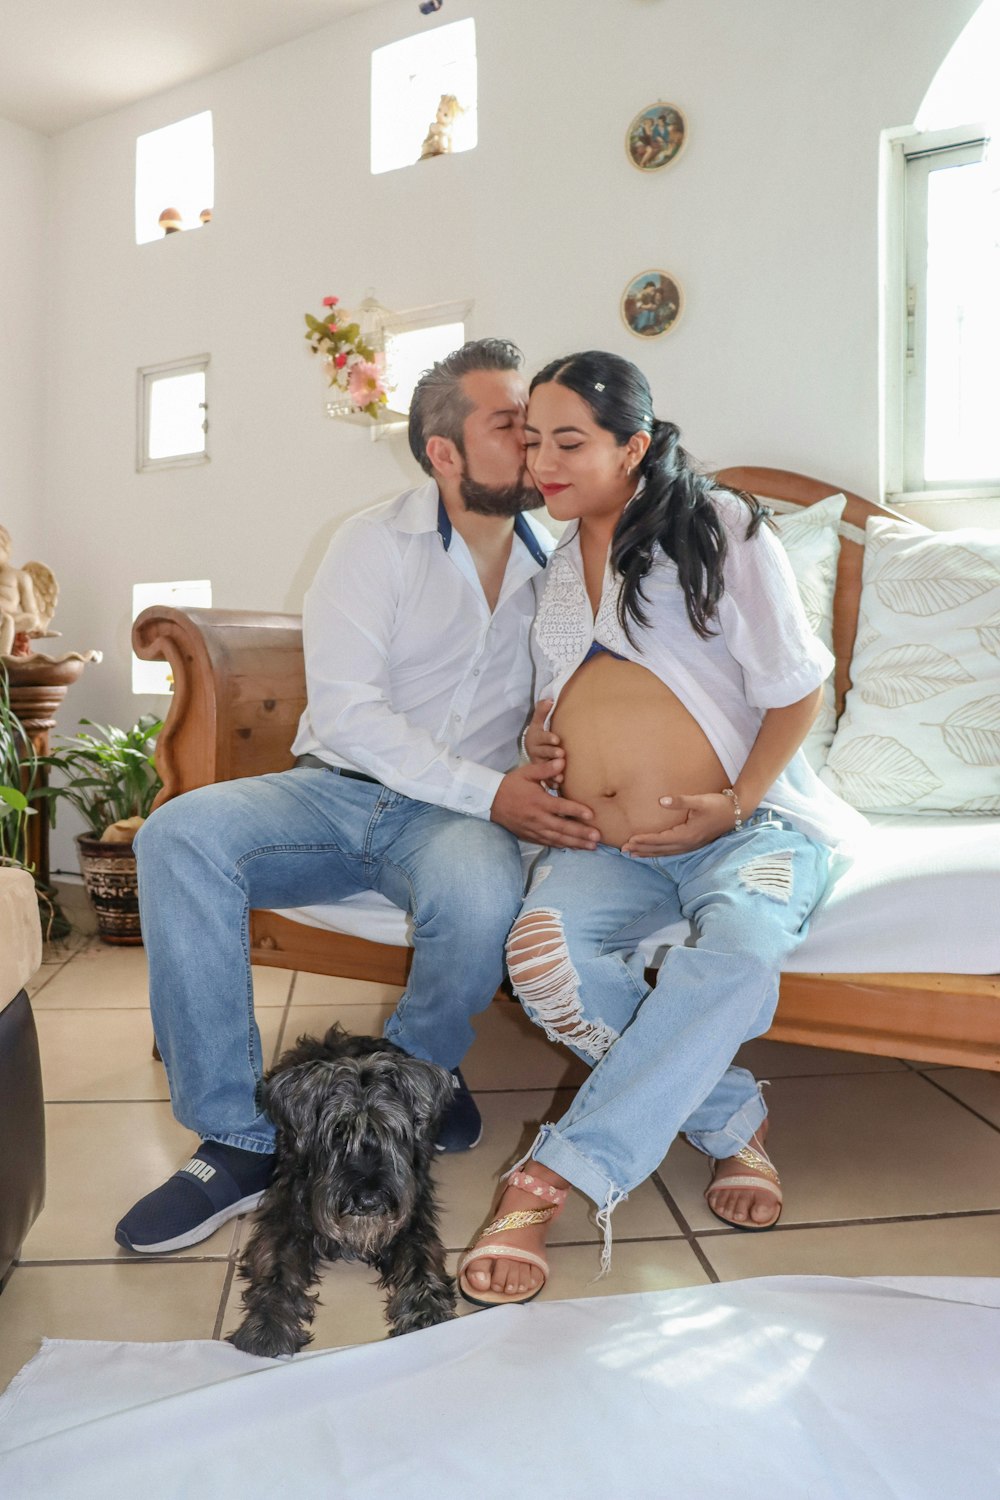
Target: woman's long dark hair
x=675, y=508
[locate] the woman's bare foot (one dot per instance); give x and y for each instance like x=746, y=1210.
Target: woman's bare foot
x=745, y=1205
x=517, y=1280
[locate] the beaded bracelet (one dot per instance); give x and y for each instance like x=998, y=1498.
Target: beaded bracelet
x=727, y=791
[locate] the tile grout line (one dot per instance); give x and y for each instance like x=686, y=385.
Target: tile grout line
x=972, y=1111
x=687, y=1234
x=56, y=970
x=120, y=1260
x=947, y=1214
x=686, y=1230
x=283, y=1024
x=224, y=1299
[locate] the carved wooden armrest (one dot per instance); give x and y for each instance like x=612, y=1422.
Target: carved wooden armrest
x=239, y=689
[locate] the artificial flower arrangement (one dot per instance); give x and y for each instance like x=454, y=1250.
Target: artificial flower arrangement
x=352, y=365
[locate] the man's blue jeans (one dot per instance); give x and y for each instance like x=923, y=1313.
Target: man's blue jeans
x=661, y=1058
x=298, y=838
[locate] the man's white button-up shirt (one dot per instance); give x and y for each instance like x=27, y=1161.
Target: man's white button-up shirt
x=409, y=676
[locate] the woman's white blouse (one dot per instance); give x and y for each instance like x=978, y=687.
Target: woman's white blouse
x=763, y=655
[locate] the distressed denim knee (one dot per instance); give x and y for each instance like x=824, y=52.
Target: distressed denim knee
x=547, y=983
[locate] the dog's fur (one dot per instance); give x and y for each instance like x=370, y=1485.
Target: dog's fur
x=356, y=1122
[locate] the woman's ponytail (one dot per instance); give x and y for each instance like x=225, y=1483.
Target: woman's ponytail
x=675, y=512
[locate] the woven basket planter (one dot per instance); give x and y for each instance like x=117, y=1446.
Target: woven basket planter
x=110, y=878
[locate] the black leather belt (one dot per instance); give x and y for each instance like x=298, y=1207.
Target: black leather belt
x=323, y=765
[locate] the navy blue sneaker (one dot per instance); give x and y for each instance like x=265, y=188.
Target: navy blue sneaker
x=218, y=1183
x=462, y=1125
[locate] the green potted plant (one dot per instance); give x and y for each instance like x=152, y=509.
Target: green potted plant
x=18, y=781
x=110, y=777
x=15, y=808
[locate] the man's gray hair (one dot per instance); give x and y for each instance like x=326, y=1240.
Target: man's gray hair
x=440, y=406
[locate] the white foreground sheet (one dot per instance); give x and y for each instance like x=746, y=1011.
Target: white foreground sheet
x=779, y=1387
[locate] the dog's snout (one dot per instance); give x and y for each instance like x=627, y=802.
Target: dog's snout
x=364, y=1194
x=365, y=1199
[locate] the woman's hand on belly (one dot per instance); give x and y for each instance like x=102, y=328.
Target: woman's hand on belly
x=626, y=737
x=707, y=817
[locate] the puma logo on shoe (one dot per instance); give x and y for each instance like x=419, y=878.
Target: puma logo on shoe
x=200, y=1169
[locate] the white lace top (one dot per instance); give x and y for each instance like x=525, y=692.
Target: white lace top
x=763, y=655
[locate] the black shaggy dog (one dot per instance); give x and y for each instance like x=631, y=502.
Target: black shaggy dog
x=356, y=1121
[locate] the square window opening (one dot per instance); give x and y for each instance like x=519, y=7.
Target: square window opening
x=409, y=80
x=172, y=414
x=174, y=178
x=412, y=349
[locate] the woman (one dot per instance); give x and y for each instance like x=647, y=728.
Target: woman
x=674, y=655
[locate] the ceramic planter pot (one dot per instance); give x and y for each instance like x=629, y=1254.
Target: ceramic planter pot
x=110, y=878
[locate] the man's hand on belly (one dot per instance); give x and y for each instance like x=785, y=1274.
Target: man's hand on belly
x=531, y=813
x=544, y=748
x=706, y=818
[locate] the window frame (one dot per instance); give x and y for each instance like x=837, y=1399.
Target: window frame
x=909, y=158
x=146, y=376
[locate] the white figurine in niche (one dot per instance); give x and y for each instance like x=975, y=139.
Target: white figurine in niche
x=437, y=141
x=28, y=598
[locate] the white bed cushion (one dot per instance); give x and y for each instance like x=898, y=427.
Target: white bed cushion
x=920, y=732
x=921, y=896
x=367, y=915
x=810, y=535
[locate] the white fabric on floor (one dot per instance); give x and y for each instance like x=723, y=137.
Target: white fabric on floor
x=920, y=896
x=781, y=1387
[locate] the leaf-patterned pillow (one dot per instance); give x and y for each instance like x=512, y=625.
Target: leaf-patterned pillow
x=920, y=731
x=810, y=536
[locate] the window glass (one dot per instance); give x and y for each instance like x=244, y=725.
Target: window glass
x=412, y=351
x=176, y=415
x=961, y=422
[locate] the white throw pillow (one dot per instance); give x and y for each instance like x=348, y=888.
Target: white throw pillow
x=810, y=536
x=920, y=730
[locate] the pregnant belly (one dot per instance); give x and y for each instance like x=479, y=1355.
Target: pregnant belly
x=630, y=741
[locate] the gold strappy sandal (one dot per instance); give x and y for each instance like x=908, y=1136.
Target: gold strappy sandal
x=767, y=1181
x=521, y=1218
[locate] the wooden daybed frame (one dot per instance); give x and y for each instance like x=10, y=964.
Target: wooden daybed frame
x=239, y=688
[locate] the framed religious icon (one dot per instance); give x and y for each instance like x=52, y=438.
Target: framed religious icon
x=655, y=137
x=651, y=304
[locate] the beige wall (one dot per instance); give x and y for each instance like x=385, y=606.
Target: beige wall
x=26, y=319
x=768, y=220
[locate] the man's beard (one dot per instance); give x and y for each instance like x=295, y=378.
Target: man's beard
x=498, y=500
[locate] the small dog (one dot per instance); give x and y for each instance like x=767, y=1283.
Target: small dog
x=356, y=1122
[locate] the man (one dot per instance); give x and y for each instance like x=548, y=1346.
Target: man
x=418, y=682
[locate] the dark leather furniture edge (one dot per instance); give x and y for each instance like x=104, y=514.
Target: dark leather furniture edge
x=22, y=1129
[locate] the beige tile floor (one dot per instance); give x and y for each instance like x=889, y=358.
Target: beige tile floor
x=889, y=1168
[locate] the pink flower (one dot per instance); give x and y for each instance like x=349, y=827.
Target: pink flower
x=340, y=361
x=364, y=384
x=330, y=301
